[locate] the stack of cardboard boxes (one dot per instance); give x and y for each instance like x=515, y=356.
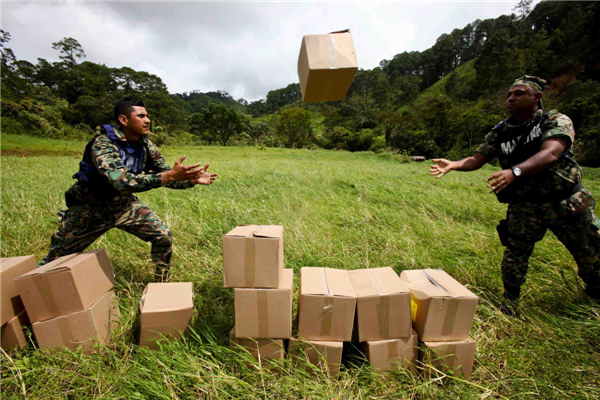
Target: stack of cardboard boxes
x=326, y=307
x=442, y=312
x=263, y=289
x=71, y=301
x=383, y=324
x=13, y=314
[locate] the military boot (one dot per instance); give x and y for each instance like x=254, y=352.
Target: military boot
x=510, y=303
x=161, y=275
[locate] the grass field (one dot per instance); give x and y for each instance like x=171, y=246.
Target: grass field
x=339, y=210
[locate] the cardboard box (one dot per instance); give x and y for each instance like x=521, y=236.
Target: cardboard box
x=253, y=256
x=382, y=304
x=326, y=304
x=265, y=313
x=166, y=310
x=326, y=66
x=390, y=354
x=66, y=285
x=11, y=268
x=81, y=328
x=325, y=355
x=266, y=349
x=12, y=332
x=441, y=308
x=456, y=356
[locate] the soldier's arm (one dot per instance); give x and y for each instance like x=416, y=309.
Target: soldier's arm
x=105, y=156
x=558, y=136
x=158, y=164
x=548, y=155
x=443, y=166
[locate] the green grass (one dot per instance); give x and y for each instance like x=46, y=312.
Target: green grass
x=339, y=210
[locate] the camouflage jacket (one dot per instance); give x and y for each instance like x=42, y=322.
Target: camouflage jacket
x=561, y=175
x=107, y=161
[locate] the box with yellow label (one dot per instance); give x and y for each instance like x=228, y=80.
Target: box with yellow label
x=441, y=308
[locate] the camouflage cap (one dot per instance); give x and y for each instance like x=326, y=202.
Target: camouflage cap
x=536, y=83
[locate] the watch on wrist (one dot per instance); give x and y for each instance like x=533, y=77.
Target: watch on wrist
x=516, y=171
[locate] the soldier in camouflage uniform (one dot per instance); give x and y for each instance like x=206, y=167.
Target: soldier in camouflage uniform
x=117, y=163
x=541, y=182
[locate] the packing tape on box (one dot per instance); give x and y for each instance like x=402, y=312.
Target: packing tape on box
x=326, y=316
x=392, y=350
x=383, y=308
x=65, y=331
x=262, y=312
x=449, y=319
x=249, y=261
x=43, y=286
x=383, y=316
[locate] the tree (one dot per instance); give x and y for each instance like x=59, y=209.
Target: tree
x=7, y=56
x=219, y=122
x=523, y=8
x=295, y=127
x=70, y=49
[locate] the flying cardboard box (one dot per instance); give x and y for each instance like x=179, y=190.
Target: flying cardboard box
x=325, y=355
x=265, y=313
x=390, y=354
x=81, y=328
x=326, y=304
x=66, y=285
x=455, y=356
x=441, y=308
x=12, y=332
x=326, y=66
x=382, y=304
x=266, y=349
x=11, y=268
x=253, y=256
x=165, y=310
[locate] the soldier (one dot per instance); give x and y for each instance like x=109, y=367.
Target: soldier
x=117, y=163
x=541, y=182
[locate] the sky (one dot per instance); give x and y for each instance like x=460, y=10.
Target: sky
x=244, y=48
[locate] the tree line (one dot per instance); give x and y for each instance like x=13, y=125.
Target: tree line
x=438, y=102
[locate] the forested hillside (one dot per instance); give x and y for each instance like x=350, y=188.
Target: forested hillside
x=438, y=102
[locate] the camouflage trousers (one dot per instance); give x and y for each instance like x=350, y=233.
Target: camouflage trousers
x=82, y=224
x=572, y=221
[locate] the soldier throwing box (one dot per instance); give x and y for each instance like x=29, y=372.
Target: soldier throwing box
x=541, y=182
x=117, y=163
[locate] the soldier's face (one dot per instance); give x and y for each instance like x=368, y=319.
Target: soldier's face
x=138, y=121
x=522, y=99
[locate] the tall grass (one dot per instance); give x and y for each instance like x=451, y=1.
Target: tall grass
x=339, y=210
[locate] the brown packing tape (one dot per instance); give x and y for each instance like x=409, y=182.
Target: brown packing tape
x=262, y=305
x=450, y=317
x=383, y=308
x=249, y=261
x=326, y=316
x=43, y=286
x=383, y=316
x=65, y=331
x=392, y=350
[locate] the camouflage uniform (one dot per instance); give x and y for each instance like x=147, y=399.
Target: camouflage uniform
x=88, y=215
x=537, y=207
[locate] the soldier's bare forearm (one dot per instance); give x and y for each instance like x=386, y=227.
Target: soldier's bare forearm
x=469, y=163
x=548, y=155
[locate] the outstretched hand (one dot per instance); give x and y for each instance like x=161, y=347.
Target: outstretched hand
x=182, y=172
x=205, y=178
x=500, y=180
x=441, y=167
